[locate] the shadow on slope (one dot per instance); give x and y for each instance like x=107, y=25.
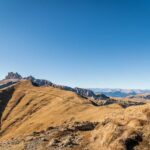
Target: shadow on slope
x=5, y=96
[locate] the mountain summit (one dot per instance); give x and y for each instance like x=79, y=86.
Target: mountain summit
x=12, y=78
x=12, y=75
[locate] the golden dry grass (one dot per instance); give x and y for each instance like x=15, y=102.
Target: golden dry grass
x=36, y=108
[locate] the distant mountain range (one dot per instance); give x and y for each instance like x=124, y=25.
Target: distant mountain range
x=119, y=92
x=92, y=93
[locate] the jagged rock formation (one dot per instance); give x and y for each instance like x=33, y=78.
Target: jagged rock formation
x=39, y=82
x=14, y=77
x=90, y=94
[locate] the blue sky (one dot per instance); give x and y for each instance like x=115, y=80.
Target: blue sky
x=85, y=43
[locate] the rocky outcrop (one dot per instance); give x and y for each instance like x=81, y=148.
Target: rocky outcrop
x=66, y=136
x=12, y=75
x=6, y=84
x=107, y=134
x=42, y=82
x=141, y=96
x=90, y=94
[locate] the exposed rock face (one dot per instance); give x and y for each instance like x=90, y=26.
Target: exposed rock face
x=42, y=82
x=85, y=92
x=67, y=88
x=102, y=135
x=39, y=82
x=90, y=94
x=54, y=138
x=12, y=75
x=84, y=126
x=6, y=84
x=141, y=96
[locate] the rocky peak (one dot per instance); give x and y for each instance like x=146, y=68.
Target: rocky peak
x=90, y=94
x=84, y=92
x=30, y=78
x=12, y=75
x=42, y=82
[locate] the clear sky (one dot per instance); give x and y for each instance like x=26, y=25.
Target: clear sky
x=85, y=43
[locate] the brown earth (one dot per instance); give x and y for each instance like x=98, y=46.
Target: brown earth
x=39, y=118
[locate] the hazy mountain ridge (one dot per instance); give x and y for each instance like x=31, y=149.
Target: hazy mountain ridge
x=119, y=92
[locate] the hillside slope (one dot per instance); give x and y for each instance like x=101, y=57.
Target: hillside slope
x=50, y=118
